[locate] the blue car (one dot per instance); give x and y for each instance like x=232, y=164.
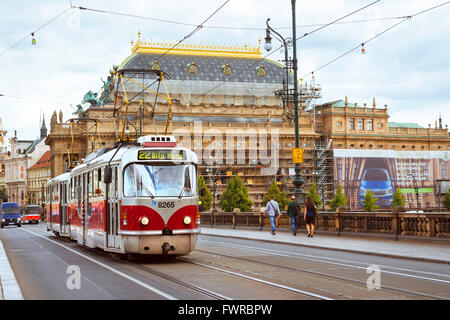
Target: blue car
x=378, y=181
x=10, y=214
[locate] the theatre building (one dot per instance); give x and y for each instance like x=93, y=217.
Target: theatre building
x=223, y=107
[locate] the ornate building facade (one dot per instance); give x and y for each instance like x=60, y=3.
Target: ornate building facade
x=222, y=105
x=38, y=175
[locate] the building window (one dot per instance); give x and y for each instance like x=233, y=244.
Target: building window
x=361, y=146
x=360, y=124
x=351, y=124
x=425, y=172
x=339, y=123
x=443, y=170
x=339, y=171
x=370, y=124
x=380, y=125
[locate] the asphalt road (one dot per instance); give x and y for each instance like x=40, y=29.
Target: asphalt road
x=46, y=267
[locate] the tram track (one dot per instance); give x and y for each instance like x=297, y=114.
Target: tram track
x=209, y=294
x=167, y=277
x=172, y=279
x=321, y=274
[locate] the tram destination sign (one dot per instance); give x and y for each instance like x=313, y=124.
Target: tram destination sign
x=161, y=155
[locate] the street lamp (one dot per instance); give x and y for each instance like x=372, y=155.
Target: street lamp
x=298, y=180
x=268, y=47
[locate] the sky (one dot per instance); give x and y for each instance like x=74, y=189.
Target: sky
x=407, y=67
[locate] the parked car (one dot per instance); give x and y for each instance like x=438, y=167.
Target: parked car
x=379, y=182
x=10, y=214
x=31, y=214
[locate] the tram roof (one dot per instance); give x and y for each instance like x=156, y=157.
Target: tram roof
x=128, y=154
x=62, y=177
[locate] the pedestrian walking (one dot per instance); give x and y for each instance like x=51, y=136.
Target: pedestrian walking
x=293, y=213
x=273, y=210
x=310, y=213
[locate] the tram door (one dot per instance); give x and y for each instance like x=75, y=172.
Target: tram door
x=49, y=211
x=63, y=209
x=112, y=224
x=84, y=205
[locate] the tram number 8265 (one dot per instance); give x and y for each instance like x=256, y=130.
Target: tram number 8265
x=169, y=204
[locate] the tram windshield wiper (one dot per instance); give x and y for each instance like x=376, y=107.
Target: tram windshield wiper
x=143, y=186
x=182, y=190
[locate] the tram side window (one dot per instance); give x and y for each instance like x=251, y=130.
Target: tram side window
x=80, y=187
x=99, y=184
x=89, y=184
x=72, y=188
x=95, y=183
x=116, y=175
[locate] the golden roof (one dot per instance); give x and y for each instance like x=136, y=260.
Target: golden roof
x=160, y=47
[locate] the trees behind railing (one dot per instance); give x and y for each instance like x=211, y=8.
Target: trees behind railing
x=428, y=225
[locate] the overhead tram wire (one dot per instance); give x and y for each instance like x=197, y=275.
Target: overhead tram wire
x=267, y=55
x=226, y=27
x=355, y=48
x=34, y=32
x=200, y=26
x=376, y=36
x=335, y=21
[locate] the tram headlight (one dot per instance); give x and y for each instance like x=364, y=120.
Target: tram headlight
x=187, y=220
x=144, y=221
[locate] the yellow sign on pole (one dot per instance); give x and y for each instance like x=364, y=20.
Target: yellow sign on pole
x=297, y=155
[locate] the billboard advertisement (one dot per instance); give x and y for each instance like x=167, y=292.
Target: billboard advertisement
x=415, y=173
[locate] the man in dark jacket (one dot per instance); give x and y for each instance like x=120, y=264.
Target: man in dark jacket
x=293, y=213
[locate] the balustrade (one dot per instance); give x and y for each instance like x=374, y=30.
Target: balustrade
x=425, y=225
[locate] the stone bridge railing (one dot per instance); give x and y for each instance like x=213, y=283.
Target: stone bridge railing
x=427, y=225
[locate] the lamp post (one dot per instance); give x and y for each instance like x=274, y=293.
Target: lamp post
x=298, y=180
x=268, y=47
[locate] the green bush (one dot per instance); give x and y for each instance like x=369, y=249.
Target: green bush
x=447, y=200
x=398, y=199
x=235, y=196
x=339, y=199
x=278, y=196
x=207, y=199
x=369, y=202
x=312, y=193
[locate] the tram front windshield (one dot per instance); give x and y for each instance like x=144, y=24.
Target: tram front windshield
x=145, y=180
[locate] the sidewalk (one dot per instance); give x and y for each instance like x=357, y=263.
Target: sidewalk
x=9, y=288
x=421, y=251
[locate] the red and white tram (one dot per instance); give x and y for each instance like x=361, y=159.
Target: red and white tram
x=137, y=198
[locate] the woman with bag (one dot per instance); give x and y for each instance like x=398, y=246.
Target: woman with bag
x=310, y=213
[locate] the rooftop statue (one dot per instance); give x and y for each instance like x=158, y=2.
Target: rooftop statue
x=79, y=112
x=91, y=98
x=107, y=88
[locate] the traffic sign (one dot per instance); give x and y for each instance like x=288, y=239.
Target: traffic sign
x=297, y=155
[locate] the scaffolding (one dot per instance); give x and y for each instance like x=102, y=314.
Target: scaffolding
x=323, y=171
